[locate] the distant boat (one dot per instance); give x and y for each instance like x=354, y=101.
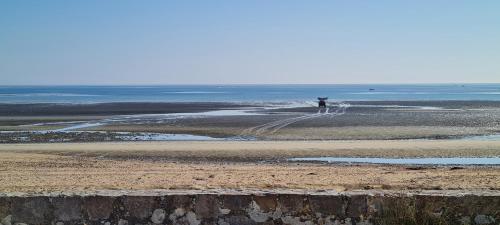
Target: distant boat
x=371, y=89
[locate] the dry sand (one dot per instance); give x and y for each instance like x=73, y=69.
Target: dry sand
x=211, y=165
x=252, y=151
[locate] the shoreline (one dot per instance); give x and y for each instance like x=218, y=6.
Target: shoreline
x=153, y=107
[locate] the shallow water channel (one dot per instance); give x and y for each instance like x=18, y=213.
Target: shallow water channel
x=407, y=161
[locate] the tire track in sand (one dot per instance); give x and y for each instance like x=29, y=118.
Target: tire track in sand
x=274, y=126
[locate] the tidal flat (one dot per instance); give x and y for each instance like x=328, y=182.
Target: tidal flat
x=374, y=120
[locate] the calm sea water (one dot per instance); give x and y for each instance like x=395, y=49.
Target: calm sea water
x=245, y=93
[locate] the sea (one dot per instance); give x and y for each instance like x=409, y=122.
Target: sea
x=248, y=93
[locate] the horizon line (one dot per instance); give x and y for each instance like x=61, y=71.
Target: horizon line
x=254, y=84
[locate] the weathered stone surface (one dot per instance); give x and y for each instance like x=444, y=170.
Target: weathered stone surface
x=239, y=220
x=67, y=208
x=257, y=214
x=296, y=221
x=375, y=205
x=236, y=202
x=4, y=207
x=191, y=219
x=266, y=203
x=98, y=207
x=446, y=209
x=122, y=222
x=489, y=205
x=179, y=201
x=356, y=206
x=7, y=220
x=139, y=207
x=328, y=205
x=328, y=208
x=31, y=210
x=158, y=216
x=484, y=219
x=206, y=206
x=291, y=203
x=465, y=220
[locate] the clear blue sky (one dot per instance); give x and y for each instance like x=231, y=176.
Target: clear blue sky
x=261, y=41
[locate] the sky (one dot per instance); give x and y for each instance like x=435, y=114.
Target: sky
x=95, y=42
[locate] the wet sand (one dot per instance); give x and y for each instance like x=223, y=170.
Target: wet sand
x=115, y=108
x=377, y=120
x=238, y=165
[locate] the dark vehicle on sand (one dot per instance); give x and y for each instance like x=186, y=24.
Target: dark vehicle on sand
x=322, y=102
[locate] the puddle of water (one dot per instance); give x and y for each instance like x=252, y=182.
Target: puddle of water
x=77, y=126
x=489, y=137
x=25, y=136
x=225, y=112
x=403, y=107
x=406, y=161
x=163, y=137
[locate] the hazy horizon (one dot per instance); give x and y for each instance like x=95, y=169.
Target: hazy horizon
x=248, y=43
x=254, y=84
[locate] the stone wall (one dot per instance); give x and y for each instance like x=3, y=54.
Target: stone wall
x=227, y=207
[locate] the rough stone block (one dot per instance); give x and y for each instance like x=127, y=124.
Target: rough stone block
x=4, y=207
x=67, y=208
x=266, y=203
x=139, y=207
x=441, y=208
x=98, y=207
x=206, y=206
x=483, y=220
x=31, y=210
x=488, y=205
x=236, y=202
x=238, y=220
x=328, y=205
x=291, y=203
x=181, y=201
x=158, y=216
x=356, y=206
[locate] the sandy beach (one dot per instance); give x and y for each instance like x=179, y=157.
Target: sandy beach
x=239, y=165
x=80, y=147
